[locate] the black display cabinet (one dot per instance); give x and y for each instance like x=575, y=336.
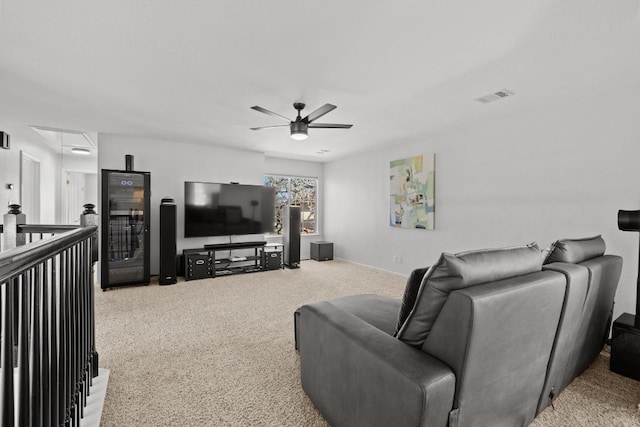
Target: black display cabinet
x=125, y=228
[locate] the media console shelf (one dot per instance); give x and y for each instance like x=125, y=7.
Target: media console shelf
x=210, y=262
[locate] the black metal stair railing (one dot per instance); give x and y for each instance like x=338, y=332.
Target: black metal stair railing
x=47, y=347
x=35, y=232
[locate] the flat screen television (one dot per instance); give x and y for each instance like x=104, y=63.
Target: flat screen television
x=212, y=209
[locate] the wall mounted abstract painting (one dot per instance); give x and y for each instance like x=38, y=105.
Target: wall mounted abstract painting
x=412, y=188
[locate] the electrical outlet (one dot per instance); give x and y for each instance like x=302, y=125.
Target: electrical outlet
x=399, y=259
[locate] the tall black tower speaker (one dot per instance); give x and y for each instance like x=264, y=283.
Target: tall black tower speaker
x=291, y=236
x=168, y=272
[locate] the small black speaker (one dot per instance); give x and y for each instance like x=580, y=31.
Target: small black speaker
x=128, y=162
x=168, y=274
x=291, y=235
x=4, y=140
x=198, y=266
x=271, y=260
x=629, y=220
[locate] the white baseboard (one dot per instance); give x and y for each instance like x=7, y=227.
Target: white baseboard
x=95, y=400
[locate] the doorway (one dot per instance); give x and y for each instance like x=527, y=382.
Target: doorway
x=30, y=187
x=72, y=197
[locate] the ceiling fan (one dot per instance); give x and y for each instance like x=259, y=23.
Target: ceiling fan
x=300, y=126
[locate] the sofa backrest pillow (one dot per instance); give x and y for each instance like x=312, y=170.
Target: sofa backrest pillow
x=410, y=294
x=575, y=251
x=458, y=271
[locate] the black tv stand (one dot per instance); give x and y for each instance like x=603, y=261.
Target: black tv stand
x=208, y=262
x=240, y=245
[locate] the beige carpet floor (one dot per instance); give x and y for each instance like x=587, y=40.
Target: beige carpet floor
x=220, y=352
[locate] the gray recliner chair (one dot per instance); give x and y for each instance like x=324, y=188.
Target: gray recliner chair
x=592, y=280
x=501, y=334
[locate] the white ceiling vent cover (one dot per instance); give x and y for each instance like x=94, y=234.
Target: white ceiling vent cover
x=495, y=96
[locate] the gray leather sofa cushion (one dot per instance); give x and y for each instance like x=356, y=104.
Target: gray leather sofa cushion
x=459, y=271
x=575, y=251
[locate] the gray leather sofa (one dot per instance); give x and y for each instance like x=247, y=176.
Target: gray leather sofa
x=484, y=338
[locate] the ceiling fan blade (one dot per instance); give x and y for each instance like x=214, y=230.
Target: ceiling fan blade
x=270, y=127
x=271, y=113
x=315, y=115
x=329, y=126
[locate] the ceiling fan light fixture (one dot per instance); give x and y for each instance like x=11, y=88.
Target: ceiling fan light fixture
x=83, y=151
x=299, y=131
x=299, y=136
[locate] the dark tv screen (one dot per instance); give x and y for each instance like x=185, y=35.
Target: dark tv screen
x=212, y=209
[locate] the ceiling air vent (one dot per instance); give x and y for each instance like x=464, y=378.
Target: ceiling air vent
x=495, y=96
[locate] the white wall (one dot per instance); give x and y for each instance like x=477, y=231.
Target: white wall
x=79, y=163
x=173, y=163
x=561, y=171
x=274, y=165
x=91, y=188
x=27, y=140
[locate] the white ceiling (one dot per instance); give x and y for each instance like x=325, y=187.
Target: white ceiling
x=66, y=141
x=189, y=71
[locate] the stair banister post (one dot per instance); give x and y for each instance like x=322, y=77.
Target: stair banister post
x=89, y=217
x=11, y=238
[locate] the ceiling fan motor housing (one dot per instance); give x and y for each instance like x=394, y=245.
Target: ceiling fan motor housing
x=299, y=127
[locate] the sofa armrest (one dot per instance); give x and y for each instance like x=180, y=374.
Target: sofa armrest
x=358, y=375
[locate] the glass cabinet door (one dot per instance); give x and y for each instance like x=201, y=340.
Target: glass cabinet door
x=125, y=237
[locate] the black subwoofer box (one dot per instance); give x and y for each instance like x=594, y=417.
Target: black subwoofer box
x=625, y=347
x=168, y=273
x=321, y=251
x=198, y=266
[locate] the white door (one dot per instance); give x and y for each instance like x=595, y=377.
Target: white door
x=73, y=197
x=30, y=187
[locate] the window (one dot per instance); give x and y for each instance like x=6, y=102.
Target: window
x=295, y=191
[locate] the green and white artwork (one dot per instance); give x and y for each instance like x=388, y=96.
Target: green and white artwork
x=412, y=184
